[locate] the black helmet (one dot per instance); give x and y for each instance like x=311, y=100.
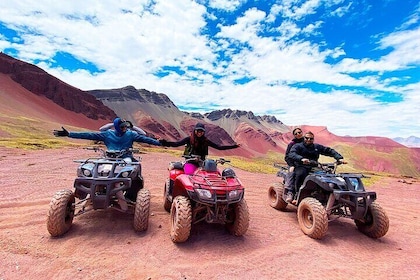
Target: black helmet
x=229, y=173
x=199, y=126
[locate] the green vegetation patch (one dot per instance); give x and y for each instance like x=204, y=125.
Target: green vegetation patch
x=29, y=134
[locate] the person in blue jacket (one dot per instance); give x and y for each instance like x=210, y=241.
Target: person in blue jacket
x=120, y=138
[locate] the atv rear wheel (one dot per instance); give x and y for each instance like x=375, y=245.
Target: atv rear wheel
x=166, y=202
x=375, y=223
x=312, y=217
x=61, y=213
x=241, y=219
x=141, y=212
x=181, y=219
x=275, y=196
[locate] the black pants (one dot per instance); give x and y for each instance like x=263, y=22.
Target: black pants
x=300, y=174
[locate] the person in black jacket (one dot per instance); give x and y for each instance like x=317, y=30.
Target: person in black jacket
x=197, y=143
x=303, y=153
x=289, y=183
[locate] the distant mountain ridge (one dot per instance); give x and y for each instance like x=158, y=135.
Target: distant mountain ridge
x=411, y=141
x=259, y=136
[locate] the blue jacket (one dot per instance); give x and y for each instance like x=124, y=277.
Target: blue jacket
x=113, y=141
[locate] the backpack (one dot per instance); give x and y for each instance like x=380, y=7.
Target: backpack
x=188, y=149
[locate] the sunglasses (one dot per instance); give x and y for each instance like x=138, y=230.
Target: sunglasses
x=298, y=132
x=309, y=138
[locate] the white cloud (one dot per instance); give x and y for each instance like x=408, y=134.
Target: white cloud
x=228, y=5
x=130, y=40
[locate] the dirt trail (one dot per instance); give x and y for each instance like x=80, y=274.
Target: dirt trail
x=103, y=244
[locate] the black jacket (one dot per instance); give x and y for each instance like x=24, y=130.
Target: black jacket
x=199, y=147
x=311, y=152
x=287, y=158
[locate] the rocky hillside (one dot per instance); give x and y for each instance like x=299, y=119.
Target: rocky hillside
x=258, y=135
x=39, y=82
x=30, y=91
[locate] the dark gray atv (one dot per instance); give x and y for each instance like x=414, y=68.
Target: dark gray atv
x=325, y=196
x=110, y=181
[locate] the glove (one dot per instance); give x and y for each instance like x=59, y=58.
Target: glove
x=163, y=142
x=61, y=133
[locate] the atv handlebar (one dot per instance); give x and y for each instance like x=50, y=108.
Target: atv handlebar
x=328, y=167
x=281, y=166
x=114, y=153
x=197, y=158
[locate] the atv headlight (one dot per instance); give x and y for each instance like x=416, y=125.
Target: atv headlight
x=125, y=174
x=87, y=172
x=203, y=194
x=235, y=194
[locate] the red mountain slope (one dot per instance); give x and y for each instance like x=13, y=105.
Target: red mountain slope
x=41, y=83
x=18, y=102
x=29, y=94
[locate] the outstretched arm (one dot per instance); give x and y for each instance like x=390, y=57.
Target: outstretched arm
x=327, y=151
x=79, y=135
x=61, y=133
x=184, y=141
x=218, y=147
x=144, y=139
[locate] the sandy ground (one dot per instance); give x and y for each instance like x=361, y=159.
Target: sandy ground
x=103, y=244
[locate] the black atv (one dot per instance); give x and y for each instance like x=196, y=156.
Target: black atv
x=325, y=196
x=111, y=181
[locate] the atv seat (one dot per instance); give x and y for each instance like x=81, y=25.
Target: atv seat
x=176, y=165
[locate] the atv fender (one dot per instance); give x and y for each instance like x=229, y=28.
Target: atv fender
x=182, y=183
x=174, y=173
x=313, y=181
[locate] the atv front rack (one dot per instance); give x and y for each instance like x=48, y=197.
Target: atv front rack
x=216, y=189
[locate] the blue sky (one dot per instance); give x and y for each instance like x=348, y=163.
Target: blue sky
x=353, y=66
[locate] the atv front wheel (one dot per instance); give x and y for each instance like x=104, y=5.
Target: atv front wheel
x=312, y=217
x=181, y=219
x=375, y=223
x=141, y=212
x=275, y=196
x=61, y=213
x=241, y=219
x=166, y=202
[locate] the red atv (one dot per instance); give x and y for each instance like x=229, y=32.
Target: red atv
x=205, y=195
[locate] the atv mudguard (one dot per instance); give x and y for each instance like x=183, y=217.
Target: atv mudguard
x=174, y=173
x=182, y=183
